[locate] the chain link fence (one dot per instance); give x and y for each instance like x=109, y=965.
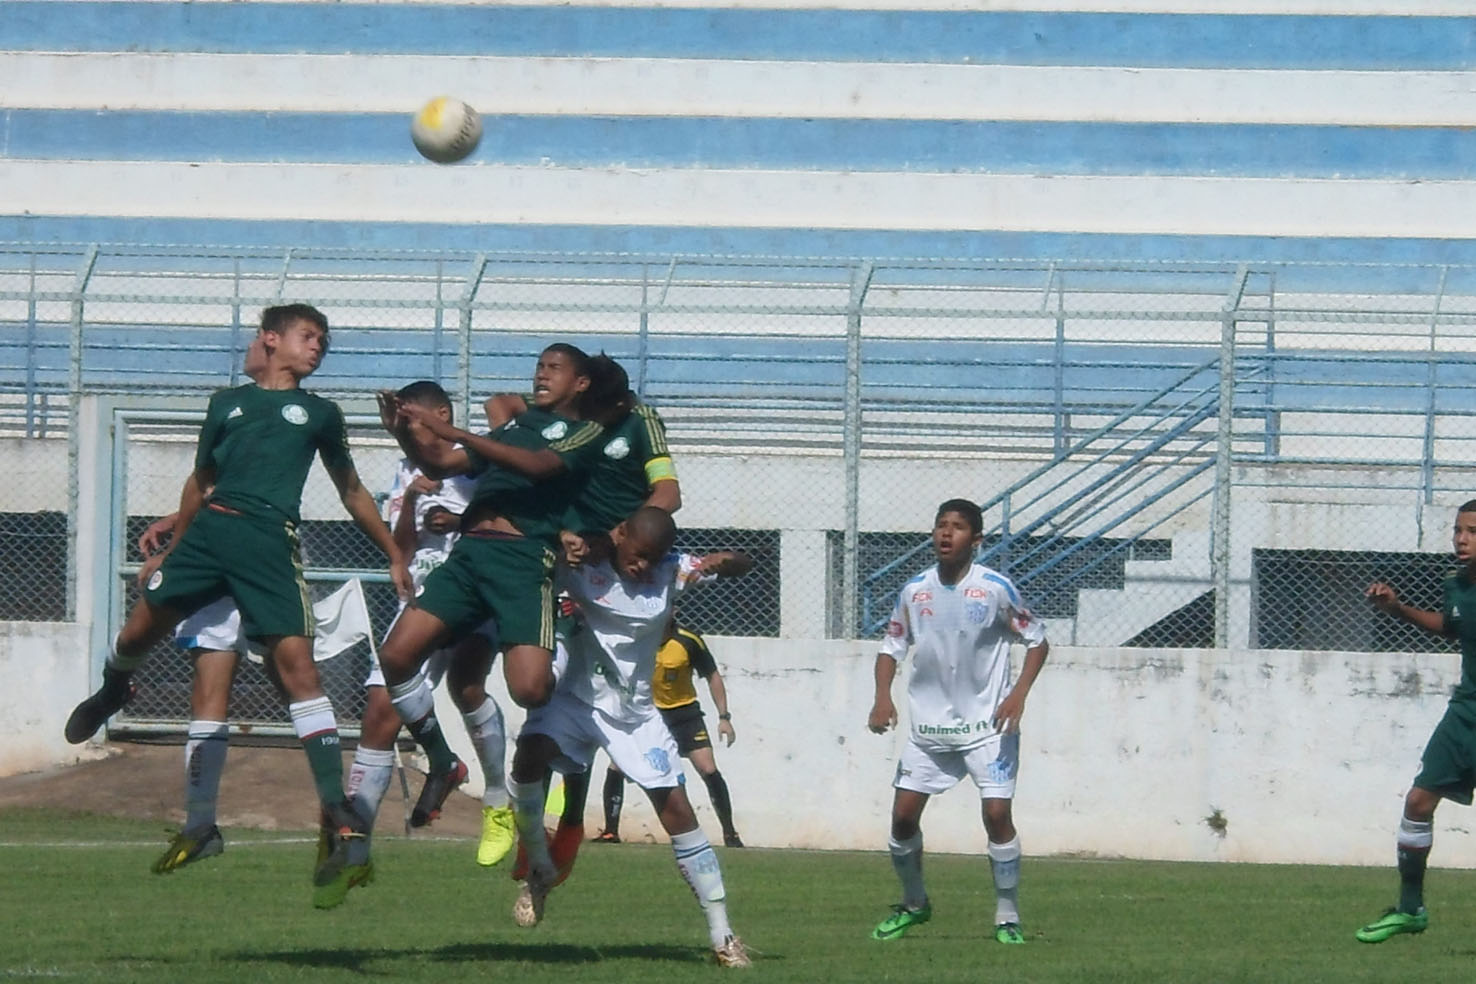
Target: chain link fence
x=1172, y=455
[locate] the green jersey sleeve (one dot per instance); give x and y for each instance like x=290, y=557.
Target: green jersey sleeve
x=579, y=450
x=210, y=432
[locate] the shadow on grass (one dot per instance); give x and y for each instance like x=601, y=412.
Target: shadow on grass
x=356, y=958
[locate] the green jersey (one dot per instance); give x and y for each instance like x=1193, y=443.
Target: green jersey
x=1459, y=609
x=261, y=443
x=633, y=457
x=537, y=509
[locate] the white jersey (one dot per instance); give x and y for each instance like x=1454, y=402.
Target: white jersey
x=431, y=548
x=612, y=649
x=960, y=636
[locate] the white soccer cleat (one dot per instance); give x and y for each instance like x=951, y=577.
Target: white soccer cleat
x=528, y=909
x=732, y=953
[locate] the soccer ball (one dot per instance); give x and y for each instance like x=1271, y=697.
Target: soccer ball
x=446, y=130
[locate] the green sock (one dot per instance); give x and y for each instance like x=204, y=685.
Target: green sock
x=1412, y=878
x=427, y=732
x=326, y=762
x=313, y=721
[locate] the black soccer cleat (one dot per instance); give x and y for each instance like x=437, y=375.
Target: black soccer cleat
x=438, y=786
x=87, y=717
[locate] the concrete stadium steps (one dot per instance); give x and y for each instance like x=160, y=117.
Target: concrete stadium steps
x=1336, y=131
x=1151, y=590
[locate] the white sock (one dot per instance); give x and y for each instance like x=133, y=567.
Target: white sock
x=907, y=862
x=369, y=779
x=527, y=804
x=312, y=717
x=205, y=755
x=412, y=699
x=1416, y=835
x=489, y=738
x=699, y=866
x=125, y=664
x=1004, y=864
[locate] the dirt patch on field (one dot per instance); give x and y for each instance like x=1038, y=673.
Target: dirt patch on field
x=264, y=788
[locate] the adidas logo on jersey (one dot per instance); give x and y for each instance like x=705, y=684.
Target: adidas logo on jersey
x=234, y=414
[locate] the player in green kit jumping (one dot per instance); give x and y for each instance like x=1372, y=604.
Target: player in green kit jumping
x=529, y=472
x=634, y=469
x=236, y=534
x=1448, y=766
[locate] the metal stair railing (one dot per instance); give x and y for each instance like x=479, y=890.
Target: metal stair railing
x=1157, y=464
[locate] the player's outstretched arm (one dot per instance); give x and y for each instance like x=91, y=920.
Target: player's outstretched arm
x=191, y=497
x=727, y=563
x=502, y=407
x=883, y=716
x=537, y=465
x=1386, y=599
x=151, y=541
x=1012, y=708
x=360, y=505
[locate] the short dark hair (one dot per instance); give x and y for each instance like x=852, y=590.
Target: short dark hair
x=576, y=355
x=279, y=316
x=652, y=524
x=609, y=385
x=427, y=393
x=966, y=508
x=1470, y=506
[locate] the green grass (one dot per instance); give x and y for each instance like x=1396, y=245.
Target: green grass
x=73, y=910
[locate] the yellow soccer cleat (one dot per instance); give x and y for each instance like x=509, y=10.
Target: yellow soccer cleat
x=499, y=834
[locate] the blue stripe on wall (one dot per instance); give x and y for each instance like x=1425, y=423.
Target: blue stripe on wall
x=844, y=145
x=658, y=241
x=1019, y=38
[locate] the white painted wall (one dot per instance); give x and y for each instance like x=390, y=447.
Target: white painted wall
x=1306, y=756
x=47, y=667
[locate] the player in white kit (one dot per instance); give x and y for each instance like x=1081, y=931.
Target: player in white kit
x=958, y=618
x=624, y=598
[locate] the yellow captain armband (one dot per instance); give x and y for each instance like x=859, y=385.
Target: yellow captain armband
x=660, y=469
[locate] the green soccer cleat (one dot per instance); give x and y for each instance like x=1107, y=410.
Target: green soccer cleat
x=1392, y=923
x=1009, y=933
x=499, y=834
x=189, y=846
x=331, y=894
x=347, y=864
x=901, y=920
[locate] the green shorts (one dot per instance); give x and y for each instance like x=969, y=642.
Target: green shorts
x=257, y=562
x=688, y=726
x=1448, y=766
x=508, y=579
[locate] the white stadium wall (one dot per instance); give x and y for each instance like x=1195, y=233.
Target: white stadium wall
x=1136, y=129
x=1182, y=755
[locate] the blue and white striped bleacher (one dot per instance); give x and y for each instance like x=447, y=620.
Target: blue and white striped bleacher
x=1329, y=130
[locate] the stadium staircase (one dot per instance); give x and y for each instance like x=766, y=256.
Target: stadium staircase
x=1107, y=527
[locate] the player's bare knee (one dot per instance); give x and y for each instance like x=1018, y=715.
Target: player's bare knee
x=674, y=809
x=1420, y=804
x=529, y=691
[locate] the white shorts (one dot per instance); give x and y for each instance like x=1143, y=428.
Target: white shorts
x=217, y=626
x=434, y=667
x=992, y=765
x=646, y=752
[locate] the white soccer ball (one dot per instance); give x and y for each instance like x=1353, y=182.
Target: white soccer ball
x=446, y=130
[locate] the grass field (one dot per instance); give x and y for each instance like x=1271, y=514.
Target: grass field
x=77, y=902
